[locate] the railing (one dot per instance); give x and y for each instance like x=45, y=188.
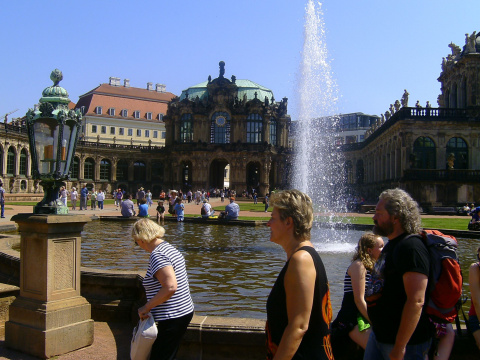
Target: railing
x=94, y=144
x=442, y=175
x=413, y=113
x=429, y=112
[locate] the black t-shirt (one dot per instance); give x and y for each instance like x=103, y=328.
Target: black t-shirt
x=385, y=293
x=315, y=344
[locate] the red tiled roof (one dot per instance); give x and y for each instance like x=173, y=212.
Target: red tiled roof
x=129, y=98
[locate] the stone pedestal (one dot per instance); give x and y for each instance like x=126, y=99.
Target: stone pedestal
x=49, y=317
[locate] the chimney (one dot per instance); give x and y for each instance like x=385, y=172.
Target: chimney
x=149, y=86
x=114, y=81
x=126, y=82
x=160, y=88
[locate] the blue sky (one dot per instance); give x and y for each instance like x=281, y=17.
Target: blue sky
x=377, y=48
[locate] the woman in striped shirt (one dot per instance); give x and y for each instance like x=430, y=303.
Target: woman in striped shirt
x=353, y=313
x=166, y=287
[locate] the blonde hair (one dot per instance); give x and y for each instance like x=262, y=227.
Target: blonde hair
x=298, y=206
x=367, y=241
x=147, y=230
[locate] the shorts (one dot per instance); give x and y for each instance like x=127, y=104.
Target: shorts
x=473, y=323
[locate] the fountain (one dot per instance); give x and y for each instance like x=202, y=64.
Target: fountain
x=231, y=269
x=319, y=166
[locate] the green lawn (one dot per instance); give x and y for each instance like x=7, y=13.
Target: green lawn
x=434, y=223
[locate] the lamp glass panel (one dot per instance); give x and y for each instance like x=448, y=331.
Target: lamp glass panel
x=46, y=138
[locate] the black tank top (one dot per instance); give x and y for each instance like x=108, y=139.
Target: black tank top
x=316, y=341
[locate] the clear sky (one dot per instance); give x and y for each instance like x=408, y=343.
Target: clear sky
x=377, y=48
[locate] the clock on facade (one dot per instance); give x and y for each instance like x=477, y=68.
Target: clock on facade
x=220, y=120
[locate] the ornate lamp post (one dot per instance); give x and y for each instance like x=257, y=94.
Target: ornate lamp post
x=53, y=132
x=50, y=312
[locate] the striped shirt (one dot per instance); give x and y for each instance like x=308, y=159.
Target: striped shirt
x=180, y=303
x=347, y=282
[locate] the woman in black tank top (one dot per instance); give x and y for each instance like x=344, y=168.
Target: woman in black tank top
x=298, y=308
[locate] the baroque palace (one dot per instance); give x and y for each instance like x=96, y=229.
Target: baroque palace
x=236, y=125
x=433, y=153
x=149, y=138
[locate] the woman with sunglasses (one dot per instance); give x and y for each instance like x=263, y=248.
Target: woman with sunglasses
x=167, y=289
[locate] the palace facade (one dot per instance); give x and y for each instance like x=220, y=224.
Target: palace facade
x=215, y=127
x=433, y=153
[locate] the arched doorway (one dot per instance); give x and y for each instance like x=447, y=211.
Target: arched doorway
x=253, y=176
x=186, y=175
x=218, y=174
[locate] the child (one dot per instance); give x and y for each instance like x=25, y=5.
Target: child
x=143, y=208
x=160, y=211
x=179, y=209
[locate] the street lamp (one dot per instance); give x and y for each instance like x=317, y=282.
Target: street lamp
x=53, y=132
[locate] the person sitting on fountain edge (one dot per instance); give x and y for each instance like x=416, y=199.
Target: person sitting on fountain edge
x=206, y=210
x=127, y=207
x=231, y=210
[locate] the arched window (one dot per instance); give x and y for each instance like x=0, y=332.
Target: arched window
x=453, y=97
x=254, y=129
x=157, y=171
x=89, y=169
x=23, y=163
x=424, y=154
x=348, y=168
x=139, y=171
x=458, y=147
x=11, y=161
x=122, y=170
x=74, y=170
x=220, y=128
x=186, y=128
x=360, y=172
x=105, y=169
x=273, y=131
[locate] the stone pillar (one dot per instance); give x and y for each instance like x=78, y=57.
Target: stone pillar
x=49, y=317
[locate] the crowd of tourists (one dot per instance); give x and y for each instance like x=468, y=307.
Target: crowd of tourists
x=383, y=311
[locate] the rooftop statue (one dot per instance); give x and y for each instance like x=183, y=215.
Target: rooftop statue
x=472, y=42
x=387, y=115
x=222, y=68
x=455, y=49
x=397, y=105
x=405, y=98
x=392, y=109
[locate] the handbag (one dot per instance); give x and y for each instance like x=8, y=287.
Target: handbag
x=144, y=335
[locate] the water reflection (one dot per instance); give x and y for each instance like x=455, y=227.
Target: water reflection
x=231, y=269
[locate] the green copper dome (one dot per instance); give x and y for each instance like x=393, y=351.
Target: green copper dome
x=55, y=93
x=245, y=88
